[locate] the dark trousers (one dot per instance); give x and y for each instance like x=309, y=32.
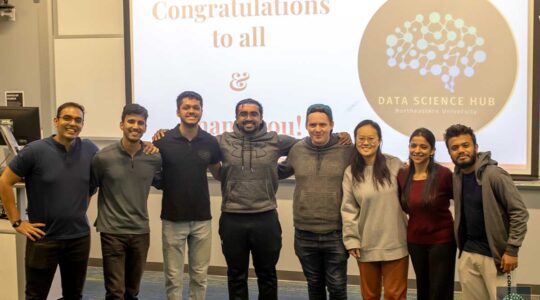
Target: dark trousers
x=434, y=266
x=324, y=262
x=43, y=257
x=259, y=234
x=124, y=257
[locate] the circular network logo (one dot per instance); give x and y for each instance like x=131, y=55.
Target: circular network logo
x=436, y=63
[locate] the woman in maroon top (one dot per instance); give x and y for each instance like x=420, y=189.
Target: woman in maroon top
x=425, y=193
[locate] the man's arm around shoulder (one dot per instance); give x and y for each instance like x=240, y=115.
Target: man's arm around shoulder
x=285, y=144
x=215, y=170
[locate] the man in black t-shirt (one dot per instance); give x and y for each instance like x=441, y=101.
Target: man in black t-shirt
x=187, y=152
x=56, y=171
x=490, y=217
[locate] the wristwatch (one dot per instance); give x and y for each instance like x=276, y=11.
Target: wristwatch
x=16, y=223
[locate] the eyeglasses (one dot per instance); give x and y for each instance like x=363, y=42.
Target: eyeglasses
x=369, y=139
x=68, y=118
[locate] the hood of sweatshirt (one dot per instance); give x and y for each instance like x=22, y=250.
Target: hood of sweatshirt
x=320, y=149
x=331, y=142
x=257, y=135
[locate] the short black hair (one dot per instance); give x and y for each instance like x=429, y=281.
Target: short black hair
x=457, y=130
x=248, y=101
x=189, y=95
x=134, y=109
x=69, y=104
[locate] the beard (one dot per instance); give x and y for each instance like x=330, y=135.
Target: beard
x=467, y=164
x=242, y=127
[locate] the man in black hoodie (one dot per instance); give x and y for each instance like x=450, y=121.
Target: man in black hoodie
x=490, y=217
x=318, y=163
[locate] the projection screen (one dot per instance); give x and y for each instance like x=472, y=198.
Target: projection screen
x=403, y=63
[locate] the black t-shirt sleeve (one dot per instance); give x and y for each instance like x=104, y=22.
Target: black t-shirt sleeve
x=23, y=163
x=158, y=143
x=285, y=144
x=157, y=182
x=92, y=149
x=215, y=151
x=95, y=179
x=285, y=169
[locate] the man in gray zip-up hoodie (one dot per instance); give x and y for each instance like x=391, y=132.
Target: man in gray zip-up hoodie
x=318, y=163
x=249, y=181
x=491, y=219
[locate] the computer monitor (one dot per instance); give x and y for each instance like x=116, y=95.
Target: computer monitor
x=23, y=122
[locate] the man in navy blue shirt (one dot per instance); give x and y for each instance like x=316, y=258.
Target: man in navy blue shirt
x=56, y=171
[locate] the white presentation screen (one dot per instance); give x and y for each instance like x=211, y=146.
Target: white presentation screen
x=403, y=63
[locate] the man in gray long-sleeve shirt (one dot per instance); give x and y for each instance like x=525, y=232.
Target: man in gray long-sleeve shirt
x=124, y=175
x=318, y=163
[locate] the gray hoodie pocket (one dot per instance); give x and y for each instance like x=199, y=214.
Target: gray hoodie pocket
x=249, y=195
x=318, y=207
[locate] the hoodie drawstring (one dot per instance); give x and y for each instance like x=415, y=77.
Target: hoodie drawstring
x=242, y=153
x=250, y=156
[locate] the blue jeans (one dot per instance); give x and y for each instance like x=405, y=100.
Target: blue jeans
x=198, y=235
x=324, y=262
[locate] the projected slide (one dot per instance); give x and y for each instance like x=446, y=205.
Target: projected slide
x=403, y=63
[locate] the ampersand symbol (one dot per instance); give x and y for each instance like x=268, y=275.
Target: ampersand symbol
x=238, y=82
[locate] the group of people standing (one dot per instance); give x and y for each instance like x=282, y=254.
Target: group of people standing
x=349, y=200
x=371, y=193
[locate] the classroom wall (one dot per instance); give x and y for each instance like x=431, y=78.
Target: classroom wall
x=73, y=50
x=528, y=261
x=24, y=57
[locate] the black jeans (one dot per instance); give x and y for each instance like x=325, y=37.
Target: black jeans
x=260, y=234
x=124, y=257
x=434, y=266
x=43, y=257
x=324, y=261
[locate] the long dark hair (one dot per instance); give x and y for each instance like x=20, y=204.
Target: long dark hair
x=381, y=173
x=429, y=192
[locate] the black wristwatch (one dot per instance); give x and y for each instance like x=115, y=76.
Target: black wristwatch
x=16, y=223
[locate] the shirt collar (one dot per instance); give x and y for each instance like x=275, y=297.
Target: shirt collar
x=74, y=144
x=121, y=147
x=177, y=134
